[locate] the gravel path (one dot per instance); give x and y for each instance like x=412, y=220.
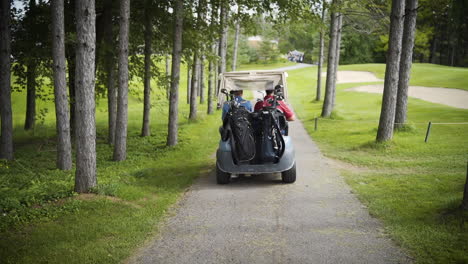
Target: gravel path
x=261, y=220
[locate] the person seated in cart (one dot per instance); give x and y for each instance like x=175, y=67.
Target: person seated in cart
x=238, y=97
x=283, y=107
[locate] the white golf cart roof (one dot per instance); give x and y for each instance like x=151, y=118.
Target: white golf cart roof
x=251, y=80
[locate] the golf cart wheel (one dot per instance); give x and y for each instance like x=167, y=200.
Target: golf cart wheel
x=289, y=176
x=222, y=177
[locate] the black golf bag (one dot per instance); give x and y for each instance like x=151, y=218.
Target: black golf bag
x=238, y=122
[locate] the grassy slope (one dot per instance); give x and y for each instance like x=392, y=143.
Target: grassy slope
x=414, y=187
x=422, y=74
x=47, y=223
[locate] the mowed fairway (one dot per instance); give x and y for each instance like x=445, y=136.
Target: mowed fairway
x=414, y=187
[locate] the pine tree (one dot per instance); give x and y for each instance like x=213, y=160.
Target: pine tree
x=6, y=140
x=85, y=177
x=387, y=114
x=173, y=126
x=145, y=130
x=331, y=69
x=64, y=160
x=320, y=58
x=120, y=146
x=409, y=32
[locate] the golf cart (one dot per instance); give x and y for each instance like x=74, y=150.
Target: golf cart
x=256, y=142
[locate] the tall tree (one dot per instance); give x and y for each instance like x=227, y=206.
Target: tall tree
x=327, y=107
x=70, y=46
x=212, y=60
x=223, y=36
x=202, y=8
x=71, y=62
x=168, y=75
x=409, y=31
x=173, y=126
x=30, y=118
x=6, y=140
x=85, y=177
x=145, y=130
x=31, y=67
x=465, y=192
x=31, y=53
x=120, y=146
x=202, y=79
x=320, y=57
x=211, y=80
x=338, y=40
x=236, y=44
x=387, y=114
x=194, y=90
x=197, y=70
x=64, y=160
x=337, y=60
x=108, y=47
x=189, y=81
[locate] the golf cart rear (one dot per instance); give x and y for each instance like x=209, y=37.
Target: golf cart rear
x=270, y=149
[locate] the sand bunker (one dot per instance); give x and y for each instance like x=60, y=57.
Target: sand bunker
x=355, y=77
x=447, y=96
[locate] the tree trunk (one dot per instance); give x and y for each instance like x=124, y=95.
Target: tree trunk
x=337, y=60
x=189, y=82
x=211, y=82
x=200, y=52
x=387, y=114
x=64, y=160
x=465, y=192
x=452, y=55
x=71, y=62
x=222, y=43
x=198, y=76
x=329, y=84
x=320, y=58
x=85, y=177
x=194, y=91
x=202, y=80
x=30, y=120
x=173, y=126
x=405, y=62
x=223, y=38
x=338, y=40
x=111, y=100
x=216, y=73
x=120, y=147
x=109, y=61
x=236, y=44
x=434, y=48
x=6, y=139
x=168, y=75
x=145, y=130
x=212, y=67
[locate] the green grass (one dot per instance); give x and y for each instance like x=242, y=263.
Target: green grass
x=415, y=188
x=422, y=74
x=44, y=221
